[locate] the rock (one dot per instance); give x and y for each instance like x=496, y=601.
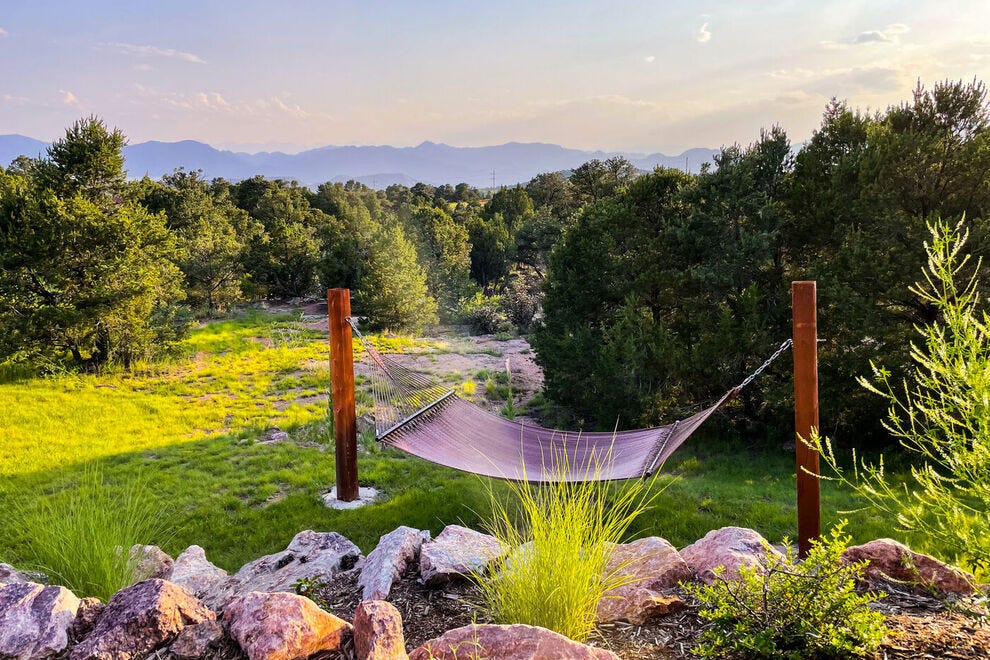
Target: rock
x=89, y=611
x=10, y=575
x=193, y=571
x=515, y=642
x=150, y=561
x=310, y=556
x=637, y=605
x=281, y=626
x=652, y=564
x=273, y=436
x=141, y=619
x=890, y=560
x=378, y=632
x=196, y=641
x=456, y=551
x=730, y=547
x=35, y=620
x=389, y=559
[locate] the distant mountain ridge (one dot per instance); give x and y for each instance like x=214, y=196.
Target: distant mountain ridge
x=376, y=166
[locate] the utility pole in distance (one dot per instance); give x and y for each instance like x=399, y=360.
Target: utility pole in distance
x=805, y=328
x=342, y=393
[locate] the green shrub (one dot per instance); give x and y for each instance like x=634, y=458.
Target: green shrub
x=81, y=537
x=554, y=570
x=484, y=315
x=791, y=609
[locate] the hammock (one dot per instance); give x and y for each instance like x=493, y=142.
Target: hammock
x=419, y=415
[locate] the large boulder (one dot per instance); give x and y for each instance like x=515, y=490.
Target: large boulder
x=731, y=547
x=150, y=561
x=10, y=575
x=193, y=571
x=89, y=612
x=310, y=556
x=140, y=619
x=649, y=565
x=457, y=551
x=515, y=642
x=281, y=626
x=378, y=632
x=388, y=560
x=35, y=620
x=889, y=560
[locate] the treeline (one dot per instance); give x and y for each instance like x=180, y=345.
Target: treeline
x=97, y=269
x=657, y=291
x=670, y=292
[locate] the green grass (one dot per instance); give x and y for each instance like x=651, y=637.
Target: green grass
x=187, y=430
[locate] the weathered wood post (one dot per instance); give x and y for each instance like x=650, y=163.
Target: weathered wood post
x=342, y=392
x=805, y=320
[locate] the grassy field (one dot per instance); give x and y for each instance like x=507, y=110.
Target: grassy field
x=188, y=431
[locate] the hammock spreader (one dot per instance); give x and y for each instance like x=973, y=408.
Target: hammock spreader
x=419, y=415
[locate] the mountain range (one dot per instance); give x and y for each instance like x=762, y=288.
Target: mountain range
x=375, y=166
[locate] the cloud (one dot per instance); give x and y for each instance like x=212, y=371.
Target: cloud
x=649, y=59
x=889, y=35
x=68, y=98
x=19, y=100
x=3, y=33
x=155, y=51
x=704, y=35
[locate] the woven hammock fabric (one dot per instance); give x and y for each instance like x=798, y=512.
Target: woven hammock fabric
x=416, y=413
x=461, y=435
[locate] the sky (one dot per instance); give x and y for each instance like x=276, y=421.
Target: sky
x=642, y=76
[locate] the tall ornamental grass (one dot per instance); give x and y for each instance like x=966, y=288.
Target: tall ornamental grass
x=81, y=537
x=557, y=539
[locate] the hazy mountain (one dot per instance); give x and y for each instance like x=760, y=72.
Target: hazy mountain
x=377, y=166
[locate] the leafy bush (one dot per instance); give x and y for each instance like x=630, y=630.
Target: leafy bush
x=81, y=537
x=554, y=570
x=941, y=415
x=484, y=315
x=791, y=609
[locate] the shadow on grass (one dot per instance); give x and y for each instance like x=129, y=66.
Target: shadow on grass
x=240, y=499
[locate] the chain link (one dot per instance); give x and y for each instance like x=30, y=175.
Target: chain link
x=352, y=321
x=763, y=367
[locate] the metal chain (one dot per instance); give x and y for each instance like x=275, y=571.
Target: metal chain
x=352, y=321
x=763, y=367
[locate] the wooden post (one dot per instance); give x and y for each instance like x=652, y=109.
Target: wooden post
x=342, y=391
x=805, y=317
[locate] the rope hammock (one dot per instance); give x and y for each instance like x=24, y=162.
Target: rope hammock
x=419, y=415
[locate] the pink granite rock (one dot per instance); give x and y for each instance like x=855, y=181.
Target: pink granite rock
x=388, y=560
x=140, y=619
x=193, y=571
x=516, y=642
x=456, y=551
x=651, y=564
x=378, y=632
x=281, y=626
x=196, y=641
x=730, y=547
x=10, y=575
x=88, y=613
x=890, y=560
x=150, y=561
x=35, y=620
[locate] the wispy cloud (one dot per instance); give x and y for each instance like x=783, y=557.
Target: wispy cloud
x=214, y=102
x=68, y=98
x=649, y=59
x=155, y=51
x=889, y=35
x=704, y=35
x=3, y=33
x=19, y=100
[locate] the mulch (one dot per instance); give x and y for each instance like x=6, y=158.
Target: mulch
x=920, y=627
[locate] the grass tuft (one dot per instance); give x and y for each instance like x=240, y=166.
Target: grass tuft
x=558, y=539
x=81, y=537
